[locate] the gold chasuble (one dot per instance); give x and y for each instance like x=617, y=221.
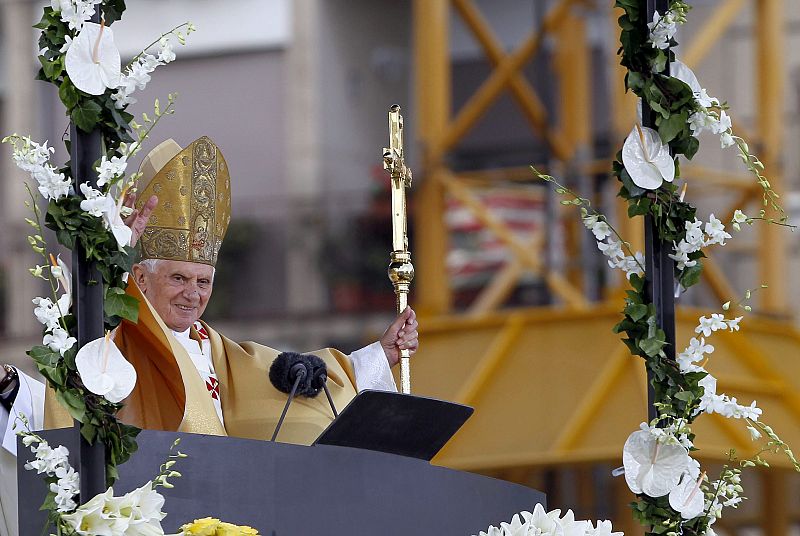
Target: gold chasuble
x=171, y=395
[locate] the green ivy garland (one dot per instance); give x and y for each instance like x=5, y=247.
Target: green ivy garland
x=677, y=394
x=74, y=226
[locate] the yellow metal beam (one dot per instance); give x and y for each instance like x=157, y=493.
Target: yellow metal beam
x=709, y=34
x=716, y=177
x=432, y=294
x=521, y=90
x=623, y=103
x=573, y=68
x=752, y=356
x=716, y=280
x=770, y=69
x=497, y=291
x=490, y=361
x=592, y=401
x=499, y=79
x=555, y=281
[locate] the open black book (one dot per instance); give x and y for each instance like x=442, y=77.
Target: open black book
x=395, y=423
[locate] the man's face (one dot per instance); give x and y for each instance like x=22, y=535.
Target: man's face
x=178, y=290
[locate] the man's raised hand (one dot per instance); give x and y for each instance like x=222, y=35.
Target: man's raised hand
x=137, y=221
x=401, y=335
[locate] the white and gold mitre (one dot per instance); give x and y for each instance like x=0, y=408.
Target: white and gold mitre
x=194, y=201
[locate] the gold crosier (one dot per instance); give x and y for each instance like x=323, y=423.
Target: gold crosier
x=401, y=271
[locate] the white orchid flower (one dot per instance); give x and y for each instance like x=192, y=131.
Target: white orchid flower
x=46, y=312
x=93, y=60
x=104, y=370
x=58, y=340
x=651, y=466
x=647, y=159
x=687, y=498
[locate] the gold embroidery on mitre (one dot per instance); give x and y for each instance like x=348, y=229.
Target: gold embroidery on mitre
x=194, y=202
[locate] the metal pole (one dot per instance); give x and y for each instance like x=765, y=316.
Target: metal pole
x=87, y=284
x=659, y=268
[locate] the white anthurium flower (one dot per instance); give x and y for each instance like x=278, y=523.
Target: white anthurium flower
x=687, y=498
x=104, y=370
x=113, y=221
x=652, y=467
x=61, y=272
x=93, y=61
x=647, y=159
x=682, y=72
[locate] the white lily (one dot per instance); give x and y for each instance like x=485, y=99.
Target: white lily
x=687, y=498
x=647, y=159
x=104, y=370
x=93, y=61
x=651, y=466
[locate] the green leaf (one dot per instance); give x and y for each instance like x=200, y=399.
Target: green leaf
x=627, y=182
x=44, y=356
x=89, y=432
x=670, y=127
x=691, y=275
x=52, y=69
x=637, y=282
x=686, y=396
x=636, y=311
x=122, y=305
x=86, y=115
x=652, y=346
x=73, y=403
x=112, y=10
x=68, y=94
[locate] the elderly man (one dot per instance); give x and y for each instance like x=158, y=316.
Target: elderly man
x=189, y=377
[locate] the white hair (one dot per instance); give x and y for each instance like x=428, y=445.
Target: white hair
x=151, y=265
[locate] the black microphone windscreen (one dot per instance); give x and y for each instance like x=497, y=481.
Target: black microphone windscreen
x=319, y=373
x=281, y=371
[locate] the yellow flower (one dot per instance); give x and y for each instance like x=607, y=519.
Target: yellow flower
x=228, y=529
x=201, y=527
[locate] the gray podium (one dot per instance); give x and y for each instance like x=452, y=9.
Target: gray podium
x=283, y=489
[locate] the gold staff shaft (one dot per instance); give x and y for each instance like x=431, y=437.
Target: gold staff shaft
x=401, y=271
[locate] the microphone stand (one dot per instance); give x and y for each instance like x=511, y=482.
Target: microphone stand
x=300, y=377
x=330, y=399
